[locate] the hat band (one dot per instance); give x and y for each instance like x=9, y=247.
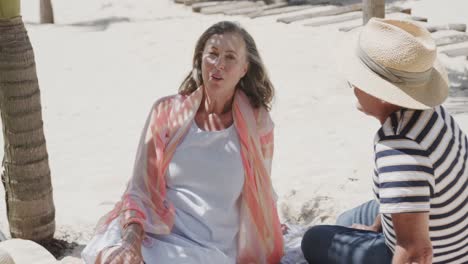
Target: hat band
x=392, y=75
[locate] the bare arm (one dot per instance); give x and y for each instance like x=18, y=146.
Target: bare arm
x=128, y=252
x=413, y=241
x=133, y=235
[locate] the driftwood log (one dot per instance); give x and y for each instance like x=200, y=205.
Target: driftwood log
x=331, y=12
x=354, y=16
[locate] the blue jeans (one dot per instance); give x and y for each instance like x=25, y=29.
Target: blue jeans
x=340, y=244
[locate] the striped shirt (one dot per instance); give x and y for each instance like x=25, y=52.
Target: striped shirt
x=421, y=166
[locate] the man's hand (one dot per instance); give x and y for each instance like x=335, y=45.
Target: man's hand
x=375, y=227
x=413, y=241
x=365, y=227
x=127, y=253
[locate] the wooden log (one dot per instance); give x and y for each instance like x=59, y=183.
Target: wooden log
x=334, y=11
x=451, y=39
x=349, y=28
x=455, y=50
x=418, y=18
x=242, y=10
x=457, y=103
x=192, y=2
x=358, y=15
x=281, y=10
x=272, y=2
x=309, y=2
x=404, y=10
x=334, y=20
x=457, y=27
x=255, y=9
x=198, y=6
x=217, y=9
x=372, y=8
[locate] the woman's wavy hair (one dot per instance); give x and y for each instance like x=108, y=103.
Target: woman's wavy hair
x=255, y=84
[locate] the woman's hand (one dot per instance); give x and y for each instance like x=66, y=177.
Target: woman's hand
x=284, y=229
x=119, y=255
x=127, y=253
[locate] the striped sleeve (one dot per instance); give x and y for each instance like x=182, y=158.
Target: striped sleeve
x=405, y=174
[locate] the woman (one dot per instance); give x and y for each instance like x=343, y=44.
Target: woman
x=201, y=189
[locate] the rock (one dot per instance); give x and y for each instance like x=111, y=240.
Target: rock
x=71, y=260
x=27, y=252
x=5, y=258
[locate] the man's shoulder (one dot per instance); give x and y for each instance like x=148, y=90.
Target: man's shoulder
x=412, y=125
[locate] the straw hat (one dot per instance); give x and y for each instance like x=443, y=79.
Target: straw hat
x=395, y=61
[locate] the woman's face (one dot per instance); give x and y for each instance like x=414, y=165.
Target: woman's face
x=224, y=63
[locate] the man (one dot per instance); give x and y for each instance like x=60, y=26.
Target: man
x=421, y=172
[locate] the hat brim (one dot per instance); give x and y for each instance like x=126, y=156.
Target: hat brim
x=424, y=96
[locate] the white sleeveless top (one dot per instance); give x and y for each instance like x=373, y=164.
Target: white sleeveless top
x=204, y=181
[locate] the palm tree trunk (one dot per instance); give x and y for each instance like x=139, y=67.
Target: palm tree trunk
x=47, y=12
x=26, y=175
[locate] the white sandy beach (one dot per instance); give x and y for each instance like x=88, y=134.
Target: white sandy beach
x=106, y=61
